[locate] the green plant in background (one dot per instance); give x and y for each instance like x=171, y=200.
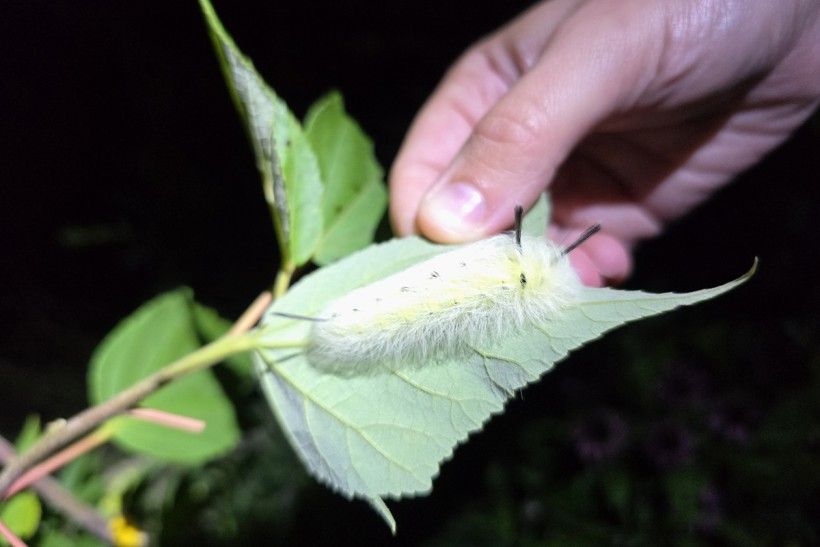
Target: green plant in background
x=371, y=437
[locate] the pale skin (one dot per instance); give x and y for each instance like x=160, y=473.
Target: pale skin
x=630, y=112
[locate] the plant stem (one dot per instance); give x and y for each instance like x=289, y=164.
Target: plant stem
x=90, y=418
x=283, y=344
x=280, y=286
x=8, y=535
x=91, y=441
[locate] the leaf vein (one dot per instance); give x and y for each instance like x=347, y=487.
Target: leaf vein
x=337, y=417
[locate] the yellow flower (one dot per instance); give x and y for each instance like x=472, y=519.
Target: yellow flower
x=126, y=534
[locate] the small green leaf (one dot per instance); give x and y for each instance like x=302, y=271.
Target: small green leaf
x=290, y=173
x=159, y=332
x=84, y=477
x=21, y=514
x=354, y=197
x=28, y=434
x=385, y=435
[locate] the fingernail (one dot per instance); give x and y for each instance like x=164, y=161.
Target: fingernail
x=456, y=207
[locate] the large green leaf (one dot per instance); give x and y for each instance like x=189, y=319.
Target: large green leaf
x=354, y=197
x=21, y=514
x=290, y=173
x=156, y=334
x=385, y=435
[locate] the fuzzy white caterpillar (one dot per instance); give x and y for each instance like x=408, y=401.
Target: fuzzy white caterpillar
x=440, y=308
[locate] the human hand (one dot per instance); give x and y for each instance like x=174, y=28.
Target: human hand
x=631, y=112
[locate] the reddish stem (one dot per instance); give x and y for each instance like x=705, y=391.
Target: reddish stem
x=9, y=536
x=87, y=443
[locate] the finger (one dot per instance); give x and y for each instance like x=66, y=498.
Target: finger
x=438, y=132
x=591, y=68
x=601, y=260
x=610, y=257
x=585, y=268
x=470, y=88
x=587, y=191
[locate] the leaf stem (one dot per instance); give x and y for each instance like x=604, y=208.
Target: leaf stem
x=285, y=344
x=282, y=282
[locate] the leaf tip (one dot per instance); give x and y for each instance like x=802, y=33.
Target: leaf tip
x=205, y=6
x=381, y=508
x=753, y=269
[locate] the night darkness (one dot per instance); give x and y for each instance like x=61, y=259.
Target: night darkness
x=126, y=173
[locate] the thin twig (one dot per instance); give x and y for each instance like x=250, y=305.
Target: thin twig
x=63, y=501
x=168, y=419
x=9, y=536
x=248, y=319
x=47, y=466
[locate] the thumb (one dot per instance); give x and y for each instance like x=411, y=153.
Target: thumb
x=589, y=69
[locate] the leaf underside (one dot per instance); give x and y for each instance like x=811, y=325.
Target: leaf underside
x=288, y=166
x=386, y=435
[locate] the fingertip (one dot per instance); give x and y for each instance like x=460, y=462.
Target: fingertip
x=585, y=267
x=453, y=212
x=601, y=260
x=611, y=258
x=459, y=211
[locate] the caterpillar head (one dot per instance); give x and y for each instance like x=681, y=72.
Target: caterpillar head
x=542, y=265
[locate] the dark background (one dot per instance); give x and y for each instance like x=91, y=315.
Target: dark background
x=125, y=172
